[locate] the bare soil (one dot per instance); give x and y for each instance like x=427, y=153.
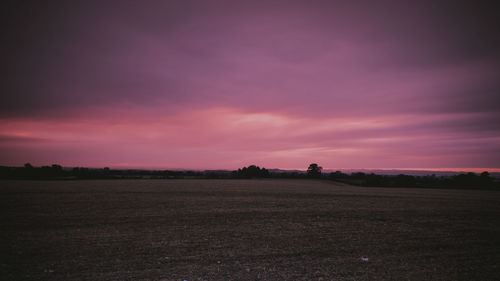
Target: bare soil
x=245, y=230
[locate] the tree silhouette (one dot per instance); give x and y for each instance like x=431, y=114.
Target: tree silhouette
x=314, y=171
x=251, y=171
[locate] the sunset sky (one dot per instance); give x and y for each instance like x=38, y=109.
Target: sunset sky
x=225, y=84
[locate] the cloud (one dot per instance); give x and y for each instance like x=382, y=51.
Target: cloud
x=190, y=68
x=228, y=138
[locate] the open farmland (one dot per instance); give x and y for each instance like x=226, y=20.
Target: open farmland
x=245, y=230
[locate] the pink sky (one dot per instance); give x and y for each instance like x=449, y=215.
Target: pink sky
x=223, y=84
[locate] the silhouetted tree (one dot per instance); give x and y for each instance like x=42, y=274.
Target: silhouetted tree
x=251, y=171
x=485, y=180
x=57, y=169
x=29, y=170
x=314, y=170
x=264, y=173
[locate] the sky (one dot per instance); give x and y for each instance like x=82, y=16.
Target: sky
x=225, y=84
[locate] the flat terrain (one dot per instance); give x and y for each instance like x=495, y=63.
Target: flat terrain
x=245, y=230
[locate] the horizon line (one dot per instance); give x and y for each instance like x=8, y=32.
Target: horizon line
x=130, y=167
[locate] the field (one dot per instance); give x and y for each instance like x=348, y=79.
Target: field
x=245, y=230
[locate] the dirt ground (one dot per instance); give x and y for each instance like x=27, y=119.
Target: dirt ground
x=245, y=230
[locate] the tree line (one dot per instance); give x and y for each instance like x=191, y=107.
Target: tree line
x=57, y=172
x=467, y=180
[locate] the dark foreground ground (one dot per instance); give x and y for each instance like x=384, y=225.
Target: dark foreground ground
x=245, y=230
